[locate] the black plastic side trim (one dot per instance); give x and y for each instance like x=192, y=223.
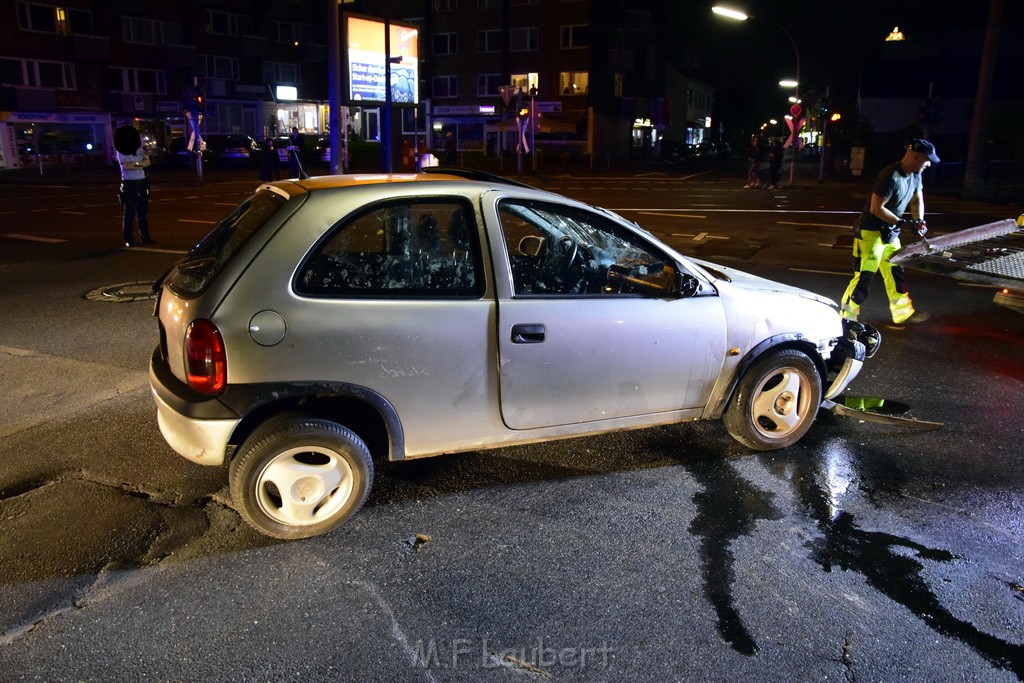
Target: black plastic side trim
x=782, y=340
x=246, y=398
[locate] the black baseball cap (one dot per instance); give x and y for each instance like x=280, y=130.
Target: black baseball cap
x=926, y=148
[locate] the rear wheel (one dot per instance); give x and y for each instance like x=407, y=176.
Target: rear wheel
x=775, y=402
x=298, y=477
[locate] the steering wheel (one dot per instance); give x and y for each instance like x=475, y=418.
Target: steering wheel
x=567, y=249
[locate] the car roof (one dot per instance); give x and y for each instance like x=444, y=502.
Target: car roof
x=432, y=175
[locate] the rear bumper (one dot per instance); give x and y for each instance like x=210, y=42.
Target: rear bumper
x=201, y=441
x=196, y=426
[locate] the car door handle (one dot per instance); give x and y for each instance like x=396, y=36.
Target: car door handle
x=527, y=334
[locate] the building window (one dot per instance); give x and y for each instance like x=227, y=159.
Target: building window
x=221, y=67
x=139, y=81
x=225, y=23
x=446, y=86
x=12, y=71
x=523, y=2
x=488, y=4
x=446, y=5
x=282, y=73
x=523, y=39
x=574, y=82
x=50, y=19
x=576, y=36
x=488, y=84
x=293, y=33
x=526, y=82
x=490, y=40
x=36, y=73
x=150, y=32
x=445, y=43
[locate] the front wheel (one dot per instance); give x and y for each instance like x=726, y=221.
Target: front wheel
x=299, y=477
x=775, y=402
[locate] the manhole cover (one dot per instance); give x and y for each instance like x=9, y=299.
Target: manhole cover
x=125, y=292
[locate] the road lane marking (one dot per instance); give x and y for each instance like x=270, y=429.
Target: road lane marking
x=669, y=215
x=155, y=250
x=33, y=238
x=190, y=220
x=820, y=272
x=690, y=208
x=815, y=225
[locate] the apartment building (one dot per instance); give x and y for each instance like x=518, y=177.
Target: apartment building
x=587, y=77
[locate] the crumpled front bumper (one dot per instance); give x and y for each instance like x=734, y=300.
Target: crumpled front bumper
x=858, y=343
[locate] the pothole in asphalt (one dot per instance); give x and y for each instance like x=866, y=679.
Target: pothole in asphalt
x=125, y=292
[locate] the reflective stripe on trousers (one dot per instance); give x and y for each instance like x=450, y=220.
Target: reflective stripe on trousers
x=871, y=255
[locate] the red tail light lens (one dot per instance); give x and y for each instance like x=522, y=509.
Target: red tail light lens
x=206, y=365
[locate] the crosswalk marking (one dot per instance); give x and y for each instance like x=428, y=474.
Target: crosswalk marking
x=34, y=238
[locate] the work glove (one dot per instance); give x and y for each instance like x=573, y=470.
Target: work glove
x=916, y=224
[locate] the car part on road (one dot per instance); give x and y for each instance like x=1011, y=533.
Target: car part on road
x=869, y=415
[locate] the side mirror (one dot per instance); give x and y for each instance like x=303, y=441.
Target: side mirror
x=687, y=284
x=531, y=245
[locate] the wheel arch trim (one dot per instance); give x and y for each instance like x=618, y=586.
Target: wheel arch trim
x=796, y=341
x=258, y=402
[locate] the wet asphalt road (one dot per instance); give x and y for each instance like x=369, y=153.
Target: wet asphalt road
x=865, y=552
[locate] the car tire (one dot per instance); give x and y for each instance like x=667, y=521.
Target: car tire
x=775, y=402
x=298, y=477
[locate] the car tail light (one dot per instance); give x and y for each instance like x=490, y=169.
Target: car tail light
x=206, y=364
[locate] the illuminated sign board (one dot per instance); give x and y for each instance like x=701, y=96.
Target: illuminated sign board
x=287, y=93
x=367, y=61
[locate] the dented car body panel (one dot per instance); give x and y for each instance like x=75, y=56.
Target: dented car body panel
x=435, y=314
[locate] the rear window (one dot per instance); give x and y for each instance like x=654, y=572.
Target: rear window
x=195, y=272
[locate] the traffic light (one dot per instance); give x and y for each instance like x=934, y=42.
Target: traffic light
x=198, y=97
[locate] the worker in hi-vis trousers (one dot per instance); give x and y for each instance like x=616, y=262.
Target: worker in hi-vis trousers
x=877, y=233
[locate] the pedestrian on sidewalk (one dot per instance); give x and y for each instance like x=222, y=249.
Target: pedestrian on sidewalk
x=877, y=233
x=134, y=190
x=775, y=154
x=270, y=168
x=755, y=155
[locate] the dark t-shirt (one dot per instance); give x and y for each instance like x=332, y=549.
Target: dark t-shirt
x=897, y=189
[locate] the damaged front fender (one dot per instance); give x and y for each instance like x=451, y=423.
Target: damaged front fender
x=858, y=343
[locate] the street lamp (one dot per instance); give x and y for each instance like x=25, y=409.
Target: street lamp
x=737, y=15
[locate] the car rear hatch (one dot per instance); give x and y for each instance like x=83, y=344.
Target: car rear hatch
x=195, y=286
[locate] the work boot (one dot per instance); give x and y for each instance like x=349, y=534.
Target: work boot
x=918, y=317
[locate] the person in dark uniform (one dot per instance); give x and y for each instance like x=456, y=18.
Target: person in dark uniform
x=270, y=168
x=134, y=190
x=877, y=233
x=296, y=143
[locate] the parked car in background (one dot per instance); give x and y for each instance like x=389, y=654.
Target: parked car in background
x=233, y=149
x=333, y=320
x=178, y=153
x=281, y=144
x=322, y=150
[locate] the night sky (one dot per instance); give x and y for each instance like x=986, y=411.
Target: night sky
x=745, y=60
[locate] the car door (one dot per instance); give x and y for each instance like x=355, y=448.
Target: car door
x=592, y=325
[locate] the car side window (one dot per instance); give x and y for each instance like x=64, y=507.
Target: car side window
x=562, y=250
x=419, y=247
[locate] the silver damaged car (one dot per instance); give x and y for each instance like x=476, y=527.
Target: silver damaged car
x=329, y=322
